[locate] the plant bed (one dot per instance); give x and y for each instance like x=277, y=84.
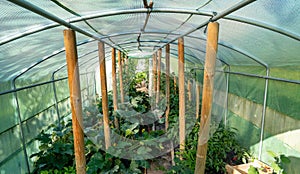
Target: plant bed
x=253, y=167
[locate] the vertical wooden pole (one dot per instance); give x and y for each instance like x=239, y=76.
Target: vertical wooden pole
x=207, y=97
x=121, y=76
x=158, y=74
x=181, y=94
x=168, y=98
x=167, y=85
x=150, y=86
x=154, y=72
x=104, y=94
x=197, y=99
x=75, y=98
x=114, y=85
x=154, y=84
x=190, y=90
x=175, y=84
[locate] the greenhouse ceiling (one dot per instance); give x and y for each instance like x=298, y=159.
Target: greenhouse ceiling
x=261, y=33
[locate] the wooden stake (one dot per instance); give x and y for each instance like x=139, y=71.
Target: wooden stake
x=167, y=85
x=104, y=94
x=197, y=99
x=121, y=76
x=150, y=86
x=190, y=90
x=75, y=98
x=158, y=75
x=168, y=98
x=207, y=97
x=181, y=94
x=114, y=85
x=154, y=72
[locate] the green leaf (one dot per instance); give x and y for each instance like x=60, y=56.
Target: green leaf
x=285, y=159
x=275, y=166
x=252, y=170
x=115, y=169
x=133, y=165
x=128, y=132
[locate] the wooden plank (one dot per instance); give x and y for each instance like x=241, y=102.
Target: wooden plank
x=121, y=76
x=114, y=85
x=159, y=52
x=181, y=94
x=207, y=97
x=75, y=99
x=104, y=94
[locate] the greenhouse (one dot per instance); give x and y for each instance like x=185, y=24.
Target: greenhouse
x=149, y=86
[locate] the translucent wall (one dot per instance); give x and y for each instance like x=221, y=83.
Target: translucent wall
x=40, y=98
x=278, y=129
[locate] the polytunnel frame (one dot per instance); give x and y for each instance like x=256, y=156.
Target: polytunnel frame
x=222, y=15
x=243, y=3
x=41, y=12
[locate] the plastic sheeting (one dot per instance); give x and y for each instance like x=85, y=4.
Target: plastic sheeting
x=258, y=38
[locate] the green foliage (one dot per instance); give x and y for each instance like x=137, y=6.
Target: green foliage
x=110, y=104
x=222, y=148
x=252, y=170
x=56, y=149
x=139, y=99
x=56, y=155
x=187, y=165
x=279, y=162
x=65, y=170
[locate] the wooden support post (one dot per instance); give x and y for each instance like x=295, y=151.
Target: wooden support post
x=168, y=98
x=104, y=94
x=154, y=73
x=197, y=99
x=75, y=98
x=181, y=94
x=121, y=76
x=207, y=97
x=154, y=61
x=114, y=85
x=190, y=90
x=150, y=86
x=158, y=75
x=175, y=84
x=167, y=85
